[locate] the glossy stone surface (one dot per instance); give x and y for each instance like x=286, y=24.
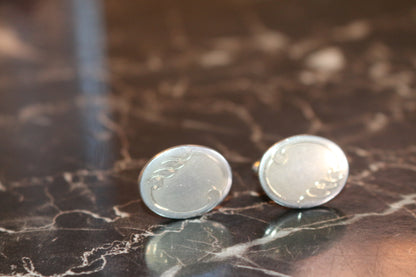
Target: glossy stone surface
x=90, y=90
x=303, y=171
x=193, y=242
x=185, y=181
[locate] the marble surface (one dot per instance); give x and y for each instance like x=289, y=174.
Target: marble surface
x=90, y=90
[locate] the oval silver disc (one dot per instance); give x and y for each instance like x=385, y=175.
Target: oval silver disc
x=303, y=171
x=185, y=181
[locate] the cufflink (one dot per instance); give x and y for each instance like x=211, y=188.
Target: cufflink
x=185, y=181
x=302, y=171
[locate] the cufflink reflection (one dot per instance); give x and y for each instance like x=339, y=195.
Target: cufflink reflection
x=300, y=234
x=185, y=248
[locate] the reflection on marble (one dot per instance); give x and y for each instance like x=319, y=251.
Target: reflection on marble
x=310, y=232
x=90, y=91
x=186, y=247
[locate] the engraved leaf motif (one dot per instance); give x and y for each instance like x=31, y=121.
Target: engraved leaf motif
x=323, y=186
x=334, y=175
x=164, y=173
x=326, y=185
x=213, y=195
x=177, y=162
x=280, y=156
x=155, y=183
x=169, y=168
x=316, y=192
x=173, y=164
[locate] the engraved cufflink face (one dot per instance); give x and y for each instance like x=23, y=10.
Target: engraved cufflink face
x=185, y=181
x=303, y=171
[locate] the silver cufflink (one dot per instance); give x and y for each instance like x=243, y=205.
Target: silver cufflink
x=185, y=181
x=302, y=171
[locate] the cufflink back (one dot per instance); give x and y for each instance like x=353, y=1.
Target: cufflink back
x=185, y=181
x=302, y=171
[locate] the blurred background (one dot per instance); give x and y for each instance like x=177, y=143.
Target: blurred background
x=90, y=90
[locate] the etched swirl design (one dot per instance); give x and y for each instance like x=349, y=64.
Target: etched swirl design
x=168, y=170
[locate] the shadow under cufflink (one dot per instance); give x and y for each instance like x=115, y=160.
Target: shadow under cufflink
x=186, y=248
x=299, y=234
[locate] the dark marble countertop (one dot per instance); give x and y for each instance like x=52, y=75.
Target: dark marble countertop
x=90, y=90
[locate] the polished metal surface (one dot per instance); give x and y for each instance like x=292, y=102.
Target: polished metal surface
x=303, y=171
x=185, y=181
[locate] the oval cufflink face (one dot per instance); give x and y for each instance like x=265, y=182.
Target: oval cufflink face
x=303, y=171
x=185, y=181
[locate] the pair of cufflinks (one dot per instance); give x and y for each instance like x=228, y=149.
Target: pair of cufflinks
x=186, y=181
